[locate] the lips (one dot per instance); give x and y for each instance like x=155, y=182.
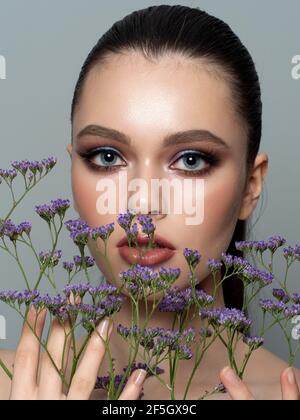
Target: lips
x=162, y=253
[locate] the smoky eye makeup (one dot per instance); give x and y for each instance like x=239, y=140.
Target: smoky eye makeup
x=187, y=162
x=104, y=158
x=193, y=162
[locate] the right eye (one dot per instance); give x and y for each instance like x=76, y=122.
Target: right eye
x=103, y=158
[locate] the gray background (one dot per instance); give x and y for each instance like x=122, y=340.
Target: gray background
x=45, y=44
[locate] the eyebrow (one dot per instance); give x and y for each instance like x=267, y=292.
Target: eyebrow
x=180, y=137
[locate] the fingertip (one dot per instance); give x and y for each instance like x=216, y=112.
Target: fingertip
x=138, y=377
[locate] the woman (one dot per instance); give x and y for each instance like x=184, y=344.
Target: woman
x=160, y=71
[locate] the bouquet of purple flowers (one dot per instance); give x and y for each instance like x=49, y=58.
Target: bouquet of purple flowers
x=86, y=305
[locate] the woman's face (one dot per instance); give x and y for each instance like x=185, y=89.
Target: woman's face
x=148, y=102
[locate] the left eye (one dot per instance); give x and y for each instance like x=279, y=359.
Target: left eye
x=107, y=158
x=191, y=161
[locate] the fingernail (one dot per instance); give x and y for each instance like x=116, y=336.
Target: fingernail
x=103, y=328
x=139, y=376
x=291, y=376
x=231, y=376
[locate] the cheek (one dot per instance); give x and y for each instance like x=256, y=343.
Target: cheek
x=85, y=195
x=222, y=203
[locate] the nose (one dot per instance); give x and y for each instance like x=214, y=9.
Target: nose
x=144, y=196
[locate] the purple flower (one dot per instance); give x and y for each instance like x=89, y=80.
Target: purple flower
x=146, y=223
x=169, y=275
x=229, y=318
x=45, y=211
x=214, y=265
x=192, y=257
x=76, y=289
x=292, y=311
x=296, y=298
x=81, y=236
x=102, y=290
x=13, y=297
x=252, y=274
x=253, y=342
x=251, y=245
x=292, y=252
x=50, y=258
x=280, y=295
x=274, y=307
x=175, y=300
x=75, y=224
x=79, y=261
x=160, y=340
x=60, y=206
x=12, y=231
x=68, y=266
x=125, y=219
x=234, y=261
x=8, y=174
x=102, y=232
x=274, y=242
x=132, y=234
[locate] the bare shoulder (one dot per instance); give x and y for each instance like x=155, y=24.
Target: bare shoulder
x=263, y=374
x=7, y=357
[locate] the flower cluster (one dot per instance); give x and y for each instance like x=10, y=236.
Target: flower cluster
x=48, y=211
x=143, y=280
x=253, y=342
x=27, y=168
x=192, y=257
x=281, y=307
x=272, y=243
x=14, y=232
x=176, y=300
x=80, y=232
x=106, y=302
x=160, y=341
x=292, y=252
x=49, y=258
x=230, y=318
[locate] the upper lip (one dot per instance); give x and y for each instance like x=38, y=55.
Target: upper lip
x=143, y=240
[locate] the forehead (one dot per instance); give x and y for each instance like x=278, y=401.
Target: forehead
x=143, y=98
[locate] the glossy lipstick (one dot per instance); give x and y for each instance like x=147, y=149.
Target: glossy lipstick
x=153, y=256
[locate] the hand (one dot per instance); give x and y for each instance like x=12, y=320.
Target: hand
x=239, y=391
x=35, y=377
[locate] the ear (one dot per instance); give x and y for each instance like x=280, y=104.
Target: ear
x=69, y=149
x=254, y=185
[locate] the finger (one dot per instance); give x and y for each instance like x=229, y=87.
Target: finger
x=86, y=374
x=289, y=386
x=134, y=385
x=234, y=386
x=50, y=384
x=27, y=355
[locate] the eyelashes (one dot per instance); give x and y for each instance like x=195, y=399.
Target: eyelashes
x=187, y=162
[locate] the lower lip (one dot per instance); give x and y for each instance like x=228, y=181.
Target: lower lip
x=151, y=257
